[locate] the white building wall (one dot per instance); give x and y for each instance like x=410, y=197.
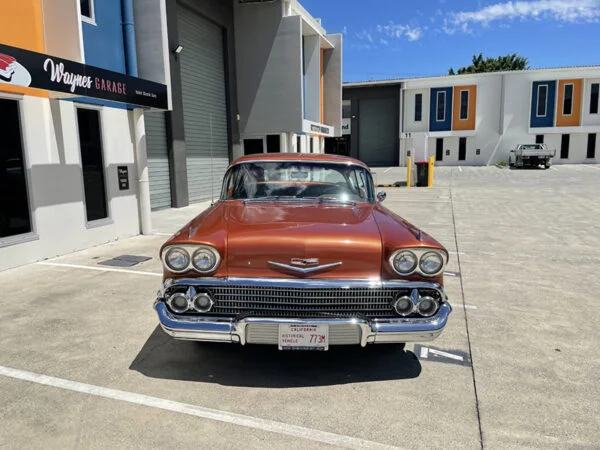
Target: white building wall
x=410, y=125
x=55, y=181
x=588, y=119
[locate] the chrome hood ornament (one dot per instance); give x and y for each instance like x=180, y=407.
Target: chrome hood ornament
x=305, y=265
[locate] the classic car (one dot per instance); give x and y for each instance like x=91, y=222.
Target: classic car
x=531, y=155
x=299, y=252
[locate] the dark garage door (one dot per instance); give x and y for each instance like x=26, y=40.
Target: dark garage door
x=377, y=125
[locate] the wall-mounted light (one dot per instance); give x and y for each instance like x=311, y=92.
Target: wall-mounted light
x=178, y=49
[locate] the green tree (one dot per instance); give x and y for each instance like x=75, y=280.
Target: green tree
x=489, y=64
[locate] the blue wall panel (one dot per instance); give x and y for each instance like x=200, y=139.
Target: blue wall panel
x=442, y=125
x=546, y=120
x=103, y=42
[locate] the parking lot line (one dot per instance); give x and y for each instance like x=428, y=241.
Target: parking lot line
x=100, y=269
x=193, y=410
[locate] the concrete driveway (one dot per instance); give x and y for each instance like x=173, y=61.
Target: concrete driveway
x=84, y=365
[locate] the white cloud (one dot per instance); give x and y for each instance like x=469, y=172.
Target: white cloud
x=365, y=36
x=398, y=31
x=345, y=30
x=383, y=41
x=565, y=11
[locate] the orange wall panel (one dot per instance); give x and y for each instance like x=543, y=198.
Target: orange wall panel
x=574, y=119
x=469, y=122
x=21, y=25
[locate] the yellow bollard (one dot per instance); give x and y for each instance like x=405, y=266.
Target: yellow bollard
x=430, y=173
x=408, y=170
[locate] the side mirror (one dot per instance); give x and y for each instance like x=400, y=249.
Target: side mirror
x=381, y=196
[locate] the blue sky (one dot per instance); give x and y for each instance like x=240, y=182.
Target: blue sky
x=412, y=38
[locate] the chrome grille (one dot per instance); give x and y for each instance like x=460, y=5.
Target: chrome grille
x=269, y=301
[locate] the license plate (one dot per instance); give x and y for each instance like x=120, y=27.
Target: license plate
x=303, y=337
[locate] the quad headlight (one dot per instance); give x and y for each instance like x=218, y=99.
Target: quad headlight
x=427, y=262
x=203, y=259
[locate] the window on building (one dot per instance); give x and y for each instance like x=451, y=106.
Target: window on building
x=591, y=146
x=464, y=105
x=542, y=100
x=462, y=148
x=15, y=217
x=87, y=9
x=441, y=107
x=418, y=107
x=346, y=109
x=568, y=100
x=312, y=140
x=273, y=143
x=92, y=162
x=564, y=146
x=594, y=98
x=539, y=139
x=439, y=149
x=298, y=144
x=253, y=146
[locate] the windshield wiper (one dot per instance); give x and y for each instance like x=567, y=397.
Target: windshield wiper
x=332, y=200
x=273, y=198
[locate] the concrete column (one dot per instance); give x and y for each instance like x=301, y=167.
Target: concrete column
x=283, y=143
x=141, y=164
x=321, y=144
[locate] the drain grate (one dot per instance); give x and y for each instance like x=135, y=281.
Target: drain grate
x=125, y=261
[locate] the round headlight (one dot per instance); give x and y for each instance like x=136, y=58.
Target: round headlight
x=427, y=306
x=405, y=262
x=177, y=259
x=431, y=263
x=205, y=260
x=178, y=303
x=404, y=306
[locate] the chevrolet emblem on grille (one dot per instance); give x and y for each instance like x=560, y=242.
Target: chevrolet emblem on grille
x=305, y=262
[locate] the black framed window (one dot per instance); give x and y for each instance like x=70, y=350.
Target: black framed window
x=564, y=146
x=542, y=100
x=87, y=8
x=591, y=146
x=92, y=161
x=464, y=105
x=298, y=144
x=15, y=217
x=594, y=98
x=439, y=149
x=253, y=146
x=273, y=143
x=462, y=148
x=312, y=145
x=418, y=107
x=568, y=100
x=441, y=107
x=539, y=138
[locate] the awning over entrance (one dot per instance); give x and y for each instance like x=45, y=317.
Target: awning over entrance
x=21, y=67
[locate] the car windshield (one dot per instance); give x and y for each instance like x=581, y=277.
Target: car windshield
x=298, y=180
x=532, y=147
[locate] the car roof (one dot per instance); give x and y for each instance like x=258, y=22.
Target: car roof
x=303, y=157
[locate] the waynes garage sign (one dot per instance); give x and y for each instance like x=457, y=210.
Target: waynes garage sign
x=30, y=69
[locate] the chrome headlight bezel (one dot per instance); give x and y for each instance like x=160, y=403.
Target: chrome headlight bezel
x=190, y=250
x=398, y=253
x=419, y=253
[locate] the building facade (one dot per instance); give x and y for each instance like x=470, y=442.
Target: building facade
x=61, y=154
x=476, y=119
x=248, y=77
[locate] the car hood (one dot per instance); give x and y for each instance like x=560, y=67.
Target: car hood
x=340, y=241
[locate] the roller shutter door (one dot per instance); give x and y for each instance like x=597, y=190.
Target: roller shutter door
x=204, y=104
x=377, y=140
x=158, y=160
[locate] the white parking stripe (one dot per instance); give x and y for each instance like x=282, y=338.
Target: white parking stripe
x=100, y=269
x=470, y=307
x=193, y=410
x=459, y=169
x=424, y=352
x=159, y=233
x=445, y=354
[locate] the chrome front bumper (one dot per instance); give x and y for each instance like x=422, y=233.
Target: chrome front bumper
x=342, y=331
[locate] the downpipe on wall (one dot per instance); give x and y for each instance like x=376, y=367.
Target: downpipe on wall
x=141, y=164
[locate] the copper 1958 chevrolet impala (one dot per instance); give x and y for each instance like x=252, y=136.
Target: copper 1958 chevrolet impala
x=300, y=253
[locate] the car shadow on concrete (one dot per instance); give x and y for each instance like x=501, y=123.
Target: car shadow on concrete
x=265, y=366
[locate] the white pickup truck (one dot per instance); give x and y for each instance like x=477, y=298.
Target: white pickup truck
x=531, y=155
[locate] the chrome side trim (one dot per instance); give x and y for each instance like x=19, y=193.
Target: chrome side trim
x=305, y=270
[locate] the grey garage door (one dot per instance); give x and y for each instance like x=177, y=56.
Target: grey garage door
x=377, y=126
x=158, y=160
x=204, y=104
